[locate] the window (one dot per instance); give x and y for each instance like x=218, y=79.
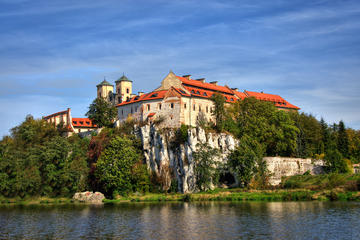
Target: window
x=81, y=122
x=135, y=109
x=78, y=130
x=197, y=92
x=88, y=123
x=184, y=105
x=160, y=106
x=192, y=91
x=154, y=95
x=199, y=108
x=74, y=122
x=194, y=107
x=148, y=107
x=207, y=109
x=127, y=90
x=122, y=111
x=172, y=105
x=226, y=98
x=205, y=94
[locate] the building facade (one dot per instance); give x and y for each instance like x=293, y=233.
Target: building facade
x=182, y=100
x=73, y=125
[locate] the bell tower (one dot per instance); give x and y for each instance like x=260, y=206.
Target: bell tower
x=123, y=89
x=105, y=90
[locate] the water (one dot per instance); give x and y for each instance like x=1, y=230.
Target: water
x=253, y=220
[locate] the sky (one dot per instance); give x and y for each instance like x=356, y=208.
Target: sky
x=54, y=53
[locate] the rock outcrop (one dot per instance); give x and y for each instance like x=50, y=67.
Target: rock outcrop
x=89, y=197
x=169, y=160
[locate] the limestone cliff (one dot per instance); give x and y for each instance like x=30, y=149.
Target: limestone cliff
x=176, y=162
x=165, y=160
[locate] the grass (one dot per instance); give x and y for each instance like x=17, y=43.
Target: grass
x=326, y=187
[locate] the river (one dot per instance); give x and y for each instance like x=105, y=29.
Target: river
x=212, y=220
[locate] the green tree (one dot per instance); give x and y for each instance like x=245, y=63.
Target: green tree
x=219, y=110
x=335, y=162
x=343, y=140
x=205, y=166
x=114, y=167
x=102, y=113
x=243, y=160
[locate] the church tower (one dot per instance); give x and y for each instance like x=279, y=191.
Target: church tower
x=123, y=89
x=105, y=90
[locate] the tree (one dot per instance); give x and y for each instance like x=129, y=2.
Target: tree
x=335, y=162
x=219, y=110
x=102, y=113
x=243, y=160
x=343, y=140
x=205, y=166
x=115, y=166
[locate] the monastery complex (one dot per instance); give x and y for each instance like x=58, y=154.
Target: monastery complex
x=178, y=100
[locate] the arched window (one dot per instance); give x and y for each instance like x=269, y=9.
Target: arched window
x=127, y=90
x=172, y=105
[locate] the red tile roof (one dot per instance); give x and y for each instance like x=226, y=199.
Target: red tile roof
x=82, y=122
x=151, y=114
x=206, y=90
x=276, y=99
x=55, y=114
x=208, y=86
x=145, y=97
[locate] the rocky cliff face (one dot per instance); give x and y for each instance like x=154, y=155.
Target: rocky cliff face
x=176, y=162
x=165, y=159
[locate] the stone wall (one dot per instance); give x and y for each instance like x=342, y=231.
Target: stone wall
x=283, y=166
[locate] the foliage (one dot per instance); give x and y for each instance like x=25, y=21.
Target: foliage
x=335, y=162
x=261, y=121
x=102, y=113
x=343, y=140
x=219, y=111
x=115, y=170
x=205, y=166
x=243, y=160
x=37, y=161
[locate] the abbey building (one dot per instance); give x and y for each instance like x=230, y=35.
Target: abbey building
x=178, y=100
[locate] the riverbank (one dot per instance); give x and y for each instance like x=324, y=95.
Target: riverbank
x=216, y=195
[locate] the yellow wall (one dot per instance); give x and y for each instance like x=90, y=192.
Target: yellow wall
x=124, y=89
x=103, y=91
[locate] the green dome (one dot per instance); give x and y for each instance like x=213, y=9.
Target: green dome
x=123, y=78
x=104, y=83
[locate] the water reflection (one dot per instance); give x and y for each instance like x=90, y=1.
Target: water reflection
x=248, y=220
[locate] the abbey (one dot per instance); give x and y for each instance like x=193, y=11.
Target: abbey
x=178, y=100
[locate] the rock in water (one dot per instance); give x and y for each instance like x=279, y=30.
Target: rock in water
x=89, y=197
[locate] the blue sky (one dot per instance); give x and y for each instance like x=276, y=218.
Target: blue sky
x=53, y=53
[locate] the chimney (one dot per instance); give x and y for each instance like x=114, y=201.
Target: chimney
x=201, y=80
x=214, y=83
x=235, y=89
x=187, y=76
x=140, y=93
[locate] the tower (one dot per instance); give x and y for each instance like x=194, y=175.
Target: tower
x=105, y=90
x=123, y=89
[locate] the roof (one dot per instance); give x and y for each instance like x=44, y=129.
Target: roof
x=145, y=97
x=104, y=83
x=276, y=99
x=151, y=115
x=209, y=86
x=83, y=122
x=55, y=114
x=123, y=78
x=200, y=89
